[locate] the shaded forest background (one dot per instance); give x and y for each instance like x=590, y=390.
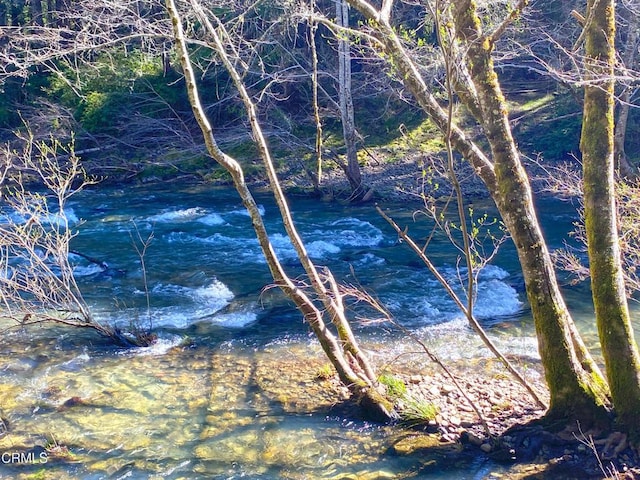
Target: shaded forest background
x=127, y=107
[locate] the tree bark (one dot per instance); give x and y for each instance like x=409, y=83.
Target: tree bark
x=574, y=392
x=577, y=388
x=351, y=167
x=625, y=169
x=619, y=349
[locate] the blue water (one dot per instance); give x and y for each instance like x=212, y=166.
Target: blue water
x=203, y=263
x=205, y=290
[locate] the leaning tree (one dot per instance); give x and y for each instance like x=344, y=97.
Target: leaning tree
x=578, y=391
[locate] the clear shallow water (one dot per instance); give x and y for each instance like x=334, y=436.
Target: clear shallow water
x=222, y=395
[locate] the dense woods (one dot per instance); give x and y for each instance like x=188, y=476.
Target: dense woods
x=486, y=99
x=116, y=86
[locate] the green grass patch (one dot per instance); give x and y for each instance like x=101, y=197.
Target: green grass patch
x=549, y=125
x=417, y=410
x=414, y=409
x=325, y=372
x=395, y=387
x=524, y=104
x=423, y=138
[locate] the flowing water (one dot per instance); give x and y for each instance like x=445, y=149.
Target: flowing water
x=227, y=391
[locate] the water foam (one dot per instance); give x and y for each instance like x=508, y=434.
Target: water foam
x=206, y=301
x=235, y=319
x=86, y=271
x=493, y=272
x=161, y=346
x=214, y=294
x=76, y=363
x=285, y=250
x=352, y=232
x=321, y=248
x=370, y=259
x=59, y=219
x=245, y=213
x=212, y=219
x=181, y=215
x=496, y=299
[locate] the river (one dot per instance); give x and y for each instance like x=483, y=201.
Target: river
x=212, y=399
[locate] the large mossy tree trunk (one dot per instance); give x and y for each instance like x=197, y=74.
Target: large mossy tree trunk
x=352, y=365
x=619, y=348
x=578, y=391
x=576, y=387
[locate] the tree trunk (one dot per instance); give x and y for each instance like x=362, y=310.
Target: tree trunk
x=577, y=389
x=625, y=169
x=351, y=364
x=619, y=349
x=316, y=177
x=573, y=393
x=351, y=167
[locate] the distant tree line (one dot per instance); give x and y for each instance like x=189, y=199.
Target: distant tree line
x=106, y=70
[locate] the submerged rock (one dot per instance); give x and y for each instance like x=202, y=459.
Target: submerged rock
x=365, y=475
x=420, y=444
x=71, y=402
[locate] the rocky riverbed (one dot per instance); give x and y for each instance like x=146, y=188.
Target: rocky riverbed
x=276, y=412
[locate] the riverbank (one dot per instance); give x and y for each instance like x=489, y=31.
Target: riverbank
x=410, y=178
x=482, y=411
x=406, y=177
x=509, y=429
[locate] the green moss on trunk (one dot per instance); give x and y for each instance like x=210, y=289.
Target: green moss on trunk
x=619, y=349
x=575, y=386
